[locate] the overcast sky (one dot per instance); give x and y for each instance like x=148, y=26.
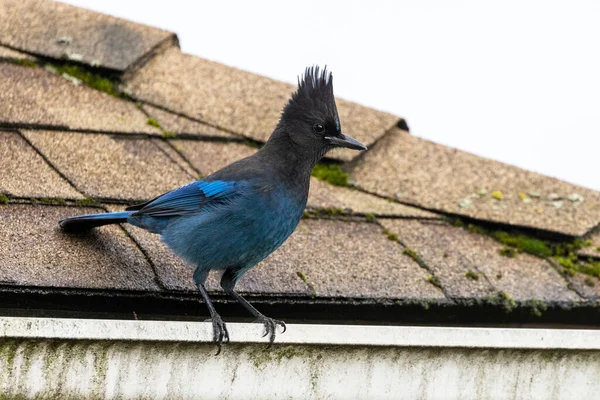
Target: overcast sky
x=515, y=81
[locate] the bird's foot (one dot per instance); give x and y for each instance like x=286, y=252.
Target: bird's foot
x=271, y=327
x=220, y=333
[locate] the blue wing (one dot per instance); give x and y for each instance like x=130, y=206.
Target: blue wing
x=189, y=199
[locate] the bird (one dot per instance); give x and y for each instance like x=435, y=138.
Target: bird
x=237, y=216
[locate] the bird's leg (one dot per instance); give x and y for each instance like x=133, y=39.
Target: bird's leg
x=228, y=282
x=219, y=329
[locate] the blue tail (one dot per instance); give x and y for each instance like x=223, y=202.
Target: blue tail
x=89, y=221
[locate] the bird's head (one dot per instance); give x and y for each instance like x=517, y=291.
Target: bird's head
x=310, y=117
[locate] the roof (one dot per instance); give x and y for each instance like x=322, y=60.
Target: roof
x=97, y=112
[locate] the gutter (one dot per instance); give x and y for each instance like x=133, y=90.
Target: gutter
x=85, y=358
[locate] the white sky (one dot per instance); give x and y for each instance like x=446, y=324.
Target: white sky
x=516, y=81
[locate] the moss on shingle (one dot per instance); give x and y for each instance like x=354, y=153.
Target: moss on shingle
x=86, y=202
x=472, y=275
x=435, y=281
x=564, y=252
x=152, y=122
x=3, y=199
x=91, y=79
x=331, y=173
x=22, y=63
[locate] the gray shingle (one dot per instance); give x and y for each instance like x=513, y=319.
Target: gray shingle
x=452, y=252
x=26, y=174
x=34, y=96
x=114, y=167
x=57, y=30
x=238, y=101
x=35, y=252
x=434, y=176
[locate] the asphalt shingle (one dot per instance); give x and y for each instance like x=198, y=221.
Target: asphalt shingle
x=110, y=167
x=34, y=96
x=420, y=172
x=9, y=54
x=26, y=173
x=208, y=157
x=593, y=250
x=325, y=196
x=35, y=252
x=451, y=252
x=61, y=31
x=238, y=101
x=352, y=260
x=185, y=127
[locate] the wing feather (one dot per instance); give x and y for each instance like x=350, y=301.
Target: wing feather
x=189, y=199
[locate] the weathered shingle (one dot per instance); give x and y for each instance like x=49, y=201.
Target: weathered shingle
x=420, y=172
x=325, y=196
x=593, y=250
x=61, y=31
x=238, y=101
x=34, y=96
x=35, y=252
x=352, y=260
x=9, y=54
x=114, y=167
x=26, y=174
x=182, y=126
x=208, y=157
x=469, y=264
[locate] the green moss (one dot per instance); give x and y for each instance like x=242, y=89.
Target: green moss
x=89, y=78
x=86, y=202
x=508, y=252
x=3, y=199
x=23, y=63
x=503, y=300
x=589, y=281
x=537, y=307
x=598, y=248
x=392, y=236
x=168, y=135
x=434, y=280
x=152, y=122
x=563, y=252
x=523, y=243
x=411, y=253
x=322, y=213
x=302, y=276
x=496, y=194
x=472, y=275
x=370, y=217
x=48, y=200
x=331, y=173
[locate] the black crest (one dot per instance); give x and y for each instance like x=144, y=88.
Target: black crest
x=315, y=92
x=315, y=84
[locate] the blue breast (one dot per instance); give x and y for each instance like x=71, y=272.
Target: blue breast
x=239, y=233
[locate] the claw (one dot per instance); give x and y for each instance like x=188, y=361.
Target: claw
x=220, y=333
x=271, y=328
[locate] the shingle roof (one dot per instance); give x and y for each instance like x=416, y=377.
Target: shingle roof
x=389, y=242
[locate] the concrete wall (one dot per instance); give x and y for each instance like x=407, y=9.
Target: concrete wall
x=52, y=358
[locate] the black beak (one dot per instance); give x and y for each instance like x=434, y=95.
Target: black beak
x=345, y=141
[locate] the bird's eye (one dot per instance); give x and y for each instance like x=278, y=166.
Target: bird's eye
x=319, y=128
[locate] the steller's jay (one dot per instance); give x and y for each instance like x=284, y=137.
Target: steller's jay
x=234, y=218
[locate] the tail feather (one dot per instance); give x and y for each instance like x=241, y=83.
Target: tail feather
x=89, y=221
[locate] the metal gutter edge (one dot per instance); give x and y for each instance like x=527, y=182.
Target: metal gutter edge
x=342, y=335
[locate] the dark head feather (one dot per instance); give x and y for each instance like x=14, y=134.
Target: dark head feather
x=315, y=84
x=314, y=97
